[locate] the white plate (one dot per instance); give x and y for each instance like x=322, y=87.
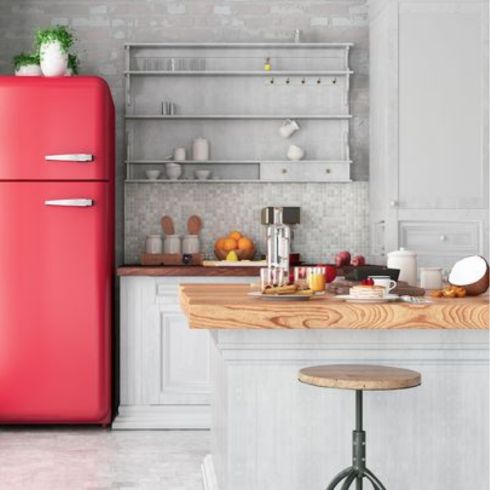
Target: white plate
x=284, y=297
x=353, y=299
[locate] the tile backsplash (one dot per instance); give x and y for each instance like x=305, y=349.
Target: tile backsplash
x=333, y=216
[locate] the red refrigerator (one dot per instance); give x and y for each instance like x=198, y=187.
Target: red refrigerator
x=56, y=250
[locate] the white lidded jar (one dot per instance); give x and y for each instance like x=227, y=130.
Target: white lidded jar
x=200, y=149
x=406, y=261
x=54, y=59
x=190, y=244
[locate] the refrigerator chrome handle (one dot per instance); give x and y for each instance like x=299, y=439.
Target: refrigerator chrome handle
x=70, y=157
x=78, y=203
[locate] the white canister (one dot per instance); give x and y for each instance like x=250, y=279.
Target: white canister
x=431, y=277
x=179, y=154
x=200, y=149
x=28, y=71
x=190, y=244
x=171, y=245
x=406, y=261
x=153, y=244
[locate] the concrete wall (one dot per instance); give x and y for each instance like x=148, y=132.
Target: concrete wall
x=103, y=27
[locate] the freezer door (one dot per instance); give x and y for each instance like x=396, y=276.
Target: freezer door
x=59, y=128
x=56, y=256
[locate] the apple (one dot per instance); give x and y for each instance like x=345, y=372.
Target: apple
x=358, y=260
x=342, y=258
x=330, y=272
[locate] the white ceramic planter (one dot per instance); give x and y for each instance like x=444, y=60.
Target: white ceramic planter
x=28, y=71
x=54, y=61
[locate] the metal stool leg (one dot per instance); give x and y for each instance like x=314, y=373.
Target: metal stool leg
x=374, y=480
x=338, y=478
x=358, y=470
x=349, y=481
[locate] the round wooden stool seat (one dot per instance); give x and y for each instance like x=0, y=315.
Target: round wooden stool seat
x=359, y=377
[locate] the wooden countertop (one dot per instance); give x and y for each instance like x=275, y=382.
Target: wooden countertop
x=187, y=270
x=228, y=306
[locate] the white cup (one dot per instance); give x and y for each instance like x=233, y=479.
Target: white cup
x=295, y=152
x=288, y=128
x=171, y=245
x=385, y=281
x=431, y=277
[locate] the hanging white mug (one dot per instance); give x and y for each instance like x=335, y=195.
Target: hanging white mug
x=295, y=152
x=288, y=128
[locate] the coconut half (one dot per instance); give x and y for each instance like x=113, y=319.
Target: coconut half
x=472, y=273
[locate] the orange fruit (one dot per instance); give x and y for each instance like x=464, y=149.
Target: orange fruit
x=229, y=244
x=236, y=235
x=220, y=243
x=245, y=243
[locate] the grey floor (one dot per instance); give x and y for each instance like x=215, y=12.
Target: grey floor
x=71, y=459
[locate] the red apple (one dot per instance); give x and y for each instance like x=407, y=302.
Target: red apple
x=342, y=258
x=358, y=260
x=330, y=272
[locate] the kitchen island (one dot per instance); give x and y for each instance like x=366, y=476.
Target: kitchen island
x=271, y=432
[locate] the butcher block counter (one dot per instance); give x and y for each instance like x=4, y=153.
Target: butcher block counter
x=187, y=271
x=229, y=306
x=268, y=431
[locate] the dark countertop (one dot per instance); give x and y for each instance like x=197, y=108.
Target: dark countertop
x=187, y=270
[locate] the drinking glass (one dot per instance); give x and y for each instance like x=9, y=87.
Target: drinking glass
x=316, y=278
x=300, y=277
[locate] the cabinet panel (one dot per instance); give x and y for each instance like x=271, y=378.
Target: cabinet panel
x=443, y=85
x=184, y=362
x=305, y=172
x=441, y=237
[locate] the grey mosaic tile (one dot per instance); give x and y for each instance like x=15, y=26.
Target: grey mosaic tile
x=334, y=216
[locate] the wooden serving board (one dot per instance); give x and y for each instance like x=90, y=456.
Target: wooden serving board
x=169, y=259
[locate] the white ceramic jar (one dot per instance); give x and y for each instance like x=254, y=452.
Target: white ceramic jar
x=190, y=244
x=54, y=60
x=171, y=245
x=406, y=261
x=200, y=149
x=153, y=244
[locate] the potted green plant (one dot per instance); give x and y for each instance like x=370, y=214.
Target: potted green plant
x=27, y=64
x=53, y=44
x=73, y=64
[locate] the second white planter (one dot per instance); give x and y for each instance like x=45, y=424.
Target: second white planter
x=54, y=60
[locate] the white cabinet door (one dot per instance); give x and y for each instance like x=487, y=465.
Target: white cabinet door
x=164, y=365
x=443, y=105
x=180, y=360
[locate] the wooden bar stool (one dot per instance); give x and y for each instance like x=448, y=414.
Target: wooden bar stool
x=358, y=377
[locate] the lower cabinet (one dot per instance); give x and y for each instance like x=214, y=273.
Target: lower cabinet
x=164, y=365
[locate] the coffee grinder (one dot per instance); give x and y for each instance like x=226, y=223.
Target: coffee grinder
x=280, y=222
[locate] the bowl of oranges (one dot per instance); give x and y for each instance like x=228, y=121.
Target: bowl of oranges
x=235, y=246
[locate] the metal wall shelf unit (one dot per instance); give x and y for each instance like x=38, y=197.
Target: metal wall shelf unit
x=223, y=92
